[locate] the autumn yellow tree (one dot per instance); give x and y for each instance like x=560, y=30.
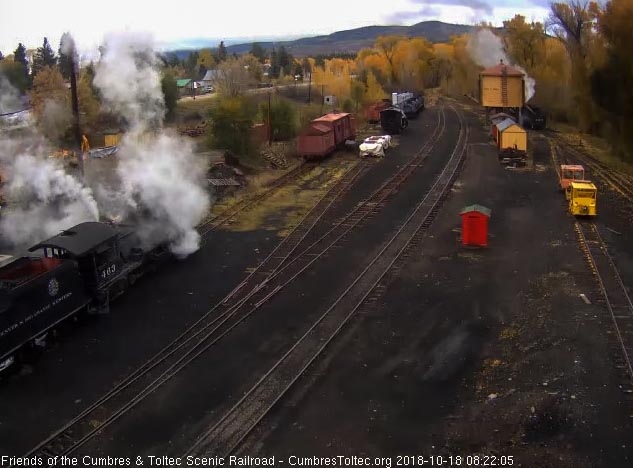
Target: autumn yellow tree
x=574, y=24
x=48, y=85
x=464, y=71
x=611, y=83
x=525, y=42
x=205, y=58
x=373, y=92
x=89, y=106
x=412, y=63
x=50, y=103
x=335, y=76
x=387, y=46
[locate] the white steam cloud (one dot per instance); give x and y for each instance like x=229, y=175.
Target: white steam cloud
x=9, y=97
x=129, y=80
x=162, y=183
x=47, y=199
x=486, y=49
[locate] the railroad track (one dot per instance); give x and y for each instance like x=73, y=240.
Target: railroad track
x=211, y=223
x=615, y=296
x=272, y=275
x=128, y=392
x=222, y=438
x=618, y=181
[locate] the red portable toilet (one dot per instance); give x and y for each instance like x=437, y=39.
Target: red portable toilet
x=475, y=225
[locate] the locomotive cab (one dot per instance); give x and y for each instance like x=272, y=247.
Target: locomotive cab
x=96, y=249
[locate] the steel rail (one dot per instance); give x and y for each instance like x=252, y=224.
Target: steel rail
x=87, y=424
x=223, y=437
x=211, y=223
x=614, y=292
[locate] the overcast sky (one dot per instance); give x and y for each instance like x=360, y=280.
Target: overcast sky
x=175, y=22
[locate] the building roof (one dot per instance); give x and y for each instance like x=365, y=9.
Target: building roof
x=224, y=182
x=210, y=75
x=500, y=70
x=583, y=184
x=479, y=208
x=182, y=83
x=572, y=167
x=5, y=259
x=505, y=124
x=501, y=116
x=331, y=117
x=80, y=239
x=317, y=129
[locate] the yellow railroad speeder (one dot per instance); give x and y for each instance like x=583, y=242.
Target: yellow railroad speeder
x=582, y=198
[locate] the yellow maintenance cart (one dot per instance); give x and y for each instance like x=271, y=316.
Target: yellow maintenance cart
x=582, y=198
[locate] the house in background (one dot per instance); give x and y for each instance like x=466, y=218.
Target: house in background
x=208, y=80
x=186, y=87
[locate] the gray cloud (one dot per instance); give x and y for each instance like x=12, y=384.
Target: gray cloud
x=427, y=11
x=541, y=3
x=429, y=8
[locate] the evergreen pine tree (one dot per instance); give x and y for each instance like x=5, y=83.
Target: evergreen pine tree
x=44, y=57
x=19, y=55
x=222, y=53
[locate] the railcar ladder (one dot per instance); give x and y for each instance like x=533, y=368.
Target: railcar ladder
x=504, y=88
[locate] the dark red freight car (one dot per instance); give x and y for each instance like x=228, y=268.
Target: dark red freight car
x=325, y=134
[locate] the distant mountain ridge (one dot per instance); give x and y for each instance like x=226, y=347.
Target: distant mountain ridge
x=352, y=40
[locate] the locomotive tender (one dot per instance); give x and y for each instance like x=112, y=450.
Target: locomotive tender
x=79, y=270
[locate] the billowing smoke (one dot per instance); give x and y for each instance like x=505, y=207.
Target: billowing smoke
x=129, y=80
x=161, y=185
x=55, y=119
x=9, y=97
x=161, y=181
x=486, y=49
x=45, y=199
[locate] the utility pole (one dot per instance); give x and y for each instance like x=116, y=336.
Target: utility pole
x=309, y=87
x=270, y=128
x=75, y=107
x=322, y=98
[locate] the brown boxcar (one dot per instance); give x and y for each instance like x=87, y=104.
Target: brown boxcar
x=372, y=113
x=325, y=134
x=316, y=142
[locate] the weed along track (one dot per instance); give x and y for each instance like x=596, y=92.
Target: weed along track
x=289, y=260
x=223, y=437
x=214, y=222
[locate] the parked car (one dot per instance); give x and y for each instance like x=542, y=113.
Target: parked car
x=375, y=146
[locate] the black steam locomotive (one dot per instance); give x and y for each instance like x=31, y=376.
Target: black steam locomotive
x=393, y=120
x=413, y=106
x=79, y=270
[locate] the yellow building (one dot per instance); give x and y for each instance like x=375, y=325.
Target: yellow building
x=111, y=137
x=501, y=86
x=509, y=135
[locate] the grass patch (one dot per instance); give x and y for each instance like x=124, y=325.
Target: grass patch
x=285, y=208
x=188, y=107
